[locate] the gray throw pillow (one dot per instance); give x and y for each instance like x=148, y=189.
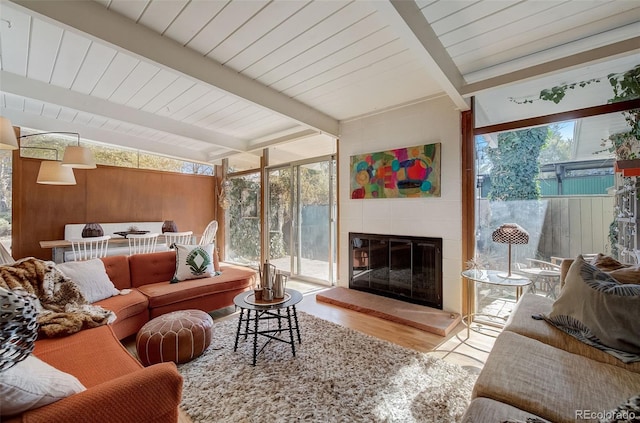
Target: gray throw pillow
x=599, y=311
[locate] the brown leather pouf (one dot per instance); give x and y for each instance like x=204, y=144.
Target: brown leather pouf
x=179, y=336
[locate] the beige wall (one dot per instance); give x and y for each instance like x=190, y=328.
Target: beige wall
x=424, y=123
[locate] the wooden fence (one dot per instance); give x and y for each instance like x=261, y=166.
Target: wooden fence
x=562, y=226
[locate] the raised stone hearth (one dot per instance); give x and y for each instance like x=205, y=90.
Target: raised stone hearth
x=420, y=317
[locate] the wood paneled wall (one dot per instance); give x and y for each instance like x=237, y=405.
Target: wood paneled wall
x=106, y=194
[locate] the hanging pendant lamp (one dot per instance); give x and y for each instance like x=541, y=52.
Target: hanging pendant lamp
x=78, y=157
x=52, y=172
x=8, y=140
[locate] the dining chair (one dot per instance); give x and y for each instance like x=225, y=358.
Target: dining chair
x=209, y=234
x=142, y=243
x=173, y=238
x=89, y=248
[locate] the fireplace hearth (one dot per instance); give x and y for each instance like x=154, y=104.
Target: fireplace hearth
x=406, y=268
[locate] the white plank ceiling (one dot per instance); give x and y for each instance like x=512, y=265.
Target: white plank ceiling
x=206, y=79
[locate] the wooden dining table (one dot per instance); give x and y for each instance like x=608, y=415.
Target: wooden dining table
x=60, y=246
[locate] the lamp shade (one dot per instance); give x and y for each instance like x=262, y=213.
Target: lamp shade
x=78, y=157
x=510, y=233
x=8, y=139
x=53, y=173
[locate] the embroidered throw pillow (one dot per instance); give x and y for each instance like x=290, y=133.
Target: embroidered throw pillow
x=91, y=278
x=599, y=311
x=193, y=262
x=33, y=383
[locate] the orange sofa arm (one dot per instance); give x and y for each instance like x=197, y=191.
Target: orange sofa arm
x=152, y=394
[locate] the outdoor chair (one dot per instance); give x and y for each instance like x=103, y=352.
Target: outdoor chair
x=173, y=238
x=544, y=275
x=89, y=248
x=142, y=244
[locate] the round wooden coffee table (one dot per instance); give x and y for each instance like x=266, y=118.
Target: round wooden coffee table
x=252, y=312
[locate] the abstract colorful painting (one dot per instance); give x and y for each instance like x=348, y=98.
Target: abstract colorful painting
x=400, y=173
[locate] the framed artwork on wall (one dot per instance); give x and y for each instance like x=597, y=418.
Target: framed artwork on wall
x=399, y=173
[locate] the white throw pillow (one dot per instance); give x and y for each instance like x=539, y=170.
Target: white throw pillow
x=91, y=278
x=193, y=262
x=32, y=383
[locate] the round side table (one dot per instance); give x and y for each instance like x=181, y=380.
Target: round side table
x=493, y=277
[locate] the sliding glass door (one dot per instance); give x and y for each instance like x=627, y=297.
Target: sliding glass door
x=301, y=219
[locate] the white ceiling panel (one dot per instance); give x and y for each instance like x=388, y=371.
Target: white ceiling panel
x=261, y=24
x=173, y=91
x=152, y=88
x=322, y=31
x=233, y=16
x=43, y=49
x=365, y=34
x=205, y=79
x=73, y=50
x=119, y=68
x=135, y=81
x=302, y=21
x=130, y=8
x=94, y=66
x=33, y=106
x=14, y=40
x=195, y=16
x=159, y=14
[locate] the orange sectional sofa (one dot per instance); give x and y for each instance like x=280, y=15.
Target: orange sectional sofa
x=119, y=388
x=148, y=276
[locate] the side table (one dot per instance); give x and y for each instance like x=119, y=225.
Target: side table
x=253, y=312
x=493, y=277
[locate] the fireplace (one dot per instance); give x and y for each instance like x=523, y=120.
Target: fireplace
x=406, y=268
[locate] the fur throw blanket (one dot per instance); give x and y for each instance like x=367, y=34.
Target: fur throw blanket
x=62, y=309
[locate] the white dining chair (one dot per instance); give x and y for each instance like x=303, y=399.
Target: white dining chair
x=209, y=234
x=89, y=248
x=142, y=243
x=173, y=238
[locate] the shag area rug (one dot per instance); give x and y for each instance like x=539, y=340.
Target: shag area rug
x=337, y=375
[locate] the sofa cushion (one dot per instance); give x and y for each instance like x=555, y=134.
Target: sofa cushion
x=98, y=356
x=152, y=268
x=597, y=310
x=485, y=410
x=91, y=278
x=607, y=263
x=521, y=322
x=193, y=262
x=231, y=278
x=629, y=275
x=127, y=305
x=549, y=382
x=33, y=383
x=117, y=268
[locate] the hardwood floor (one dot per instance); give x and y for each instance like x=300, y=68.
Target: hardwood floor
x=470, y=353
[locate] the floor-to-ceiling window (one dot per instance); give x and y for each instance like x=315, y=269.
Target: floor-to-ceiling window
x=301, y=218
x=242, y=222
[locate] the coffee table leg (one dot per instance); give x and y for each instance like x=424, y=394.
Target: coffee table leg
x=295, y=318
x=293, y=342
x=246, y=328
x=235, y=346
x=255, y=338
